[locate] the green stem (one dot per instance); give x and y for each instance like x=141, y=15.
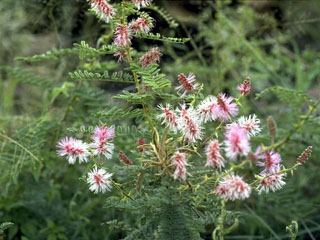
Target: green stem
x=21, y=146
x=220, y=227
x=136, y=80
x=296, y=129
x=281, y=172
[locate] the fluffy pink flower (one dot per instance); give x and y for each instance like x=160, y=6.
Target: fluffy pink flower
x=142, y=3
x=225, y=108
x=120, y=55
x=103, y=133
x=251, y=124
x=237, y=142
x=169, y=117
x=233, y=188
x=101, y=141
x=140, y=25
x=186, y=83
x=179, y=160
x=245, y=87
x=271, y=162
x=190, y=124
x=150, y=57
x=104, y=10
x=214, y=158
x=273, y=182
x=99, y=180
x=73, y=149
x=206, y=109
x=123, y=36
x=103, y=148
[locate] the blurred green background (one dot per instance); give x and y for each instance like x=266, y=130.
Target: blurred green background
x=273, y=42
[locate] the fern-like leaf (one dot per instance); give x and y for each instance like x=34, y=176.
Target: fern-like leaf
x=49, y=55
x=166, y=16
x=104, y=77
x=151, y=76
x=289, y=96
x=159, y=37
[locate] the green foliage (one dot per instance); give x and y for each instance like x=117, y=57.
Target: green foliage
x=169, y=19
x=55, y=54
x=39, y=105
x=159, y=37
x=289, y=96
x=5, y=226
x=86, y=51
x=104, y=77
x=151, y=77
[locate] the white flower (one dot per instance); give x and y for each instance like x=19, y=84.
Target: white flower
x=232, y=188
x=74, y=149
x=206, y=109
x=273, y=182
x=251, y=124
x=104, y=10
x=169, y=117
x=214, y=158
x=103, y=147
x=189, y=124
x=179, y=160
x=99, y=180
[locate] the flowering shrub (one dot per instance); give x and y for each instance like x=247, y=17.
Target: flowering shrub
x=197, y=154
x=154, y=164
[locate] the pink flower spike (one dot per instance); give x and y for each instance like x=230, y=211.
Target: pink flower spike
x=225, y=108
x=123, y=36
x=179, y=160
x=150, y=57
x=206, y=109
x=169, y=117
x=271, y=162
x=99, y=180
x=251, y=124
x=245, y=87
x=214, y=158
x=237, y=142
x=186, y=83
x=73, y=149
x=140, y=145
x=104, y=10
x=140, y=25
x=232, y=188
x=142, y=3
x=123, y=157
x=190, y=124
x=273, y=182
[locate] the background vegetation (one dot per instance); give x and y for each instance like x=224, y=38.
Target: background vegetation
x=274, y=42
